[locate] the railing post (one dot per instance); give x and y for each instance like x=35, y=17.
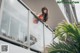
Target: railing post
x=28, y=37
x=1, y=11
x=43, y=38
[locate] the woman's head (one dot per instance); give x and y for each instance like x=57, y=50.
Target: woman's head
x=44, y=10
x=45, y=13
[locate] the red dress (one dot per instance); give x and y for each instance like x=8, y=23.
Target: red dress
x=40, y=17
x=36, y=20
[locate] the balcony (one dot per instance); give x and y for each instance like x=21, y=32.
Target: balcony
x=17, y=27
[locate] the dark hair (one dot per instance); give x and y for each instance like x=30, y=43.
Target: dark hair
x=44, y=8
x=45, y=15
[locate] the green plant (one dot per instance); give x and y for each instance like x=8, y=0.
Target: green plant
x=69, y=36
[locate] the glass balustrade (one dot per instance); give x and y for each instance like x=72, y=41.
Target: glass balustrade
x=36, y=29
x=17, y=21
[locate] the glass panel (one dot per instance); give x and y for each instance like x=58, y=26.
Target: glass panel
x=5, y=23
x=48, y=36
x=14, y=20
x=36, y=30
x=16, y=9
x=23, y=32
x=14, y=28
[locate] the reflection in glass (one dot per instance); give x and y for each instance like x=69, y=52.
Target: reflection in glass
x=5, y=23
x=14, y=20
x=23, y=32
x=14, y=28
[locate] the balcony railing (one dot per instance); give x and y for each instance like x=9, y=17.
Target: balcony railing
x=17, y=26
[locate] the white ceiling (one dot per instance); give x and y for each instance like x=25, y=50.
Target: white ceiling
x=55, y=14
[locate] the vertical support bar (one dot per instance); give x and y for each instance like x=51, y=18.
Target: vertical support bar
x=74, y=18
x=68, y=16
x=9, y=26
x=1, y=12
x=28, y=30
x=72, y=14
x=43, y=38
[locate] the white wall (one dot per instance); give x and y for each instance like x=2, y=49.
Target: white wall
x=13, y=48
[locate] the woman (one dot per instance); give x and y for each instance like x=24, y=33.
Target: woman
x=43, y=16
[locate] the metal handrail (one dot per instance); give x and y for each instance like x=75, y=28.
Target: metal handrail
x=34, y=14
